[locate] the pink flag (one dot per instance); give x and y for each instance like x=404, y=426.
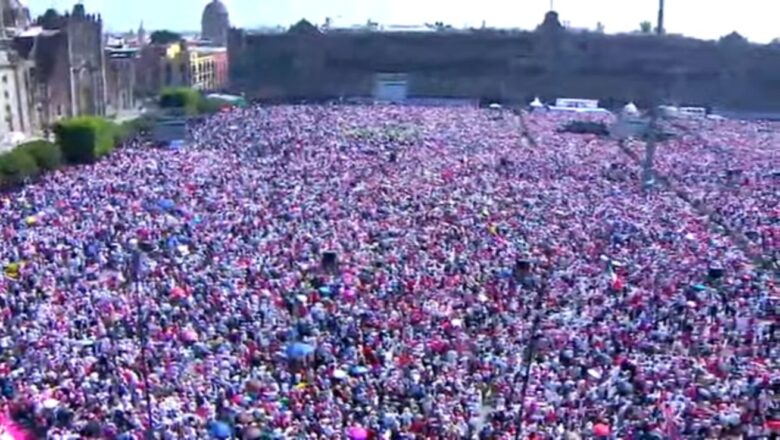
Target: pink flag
x=9, y=430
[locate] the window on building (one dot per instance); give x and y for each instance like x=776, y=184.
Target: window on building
x=5, y=94
x=5, y=79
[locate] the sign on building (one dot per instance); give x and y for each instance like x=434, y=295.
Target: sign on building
x=391, y=87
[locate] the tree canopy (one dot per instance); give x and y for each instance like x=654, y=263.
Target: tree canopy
x=165, y=37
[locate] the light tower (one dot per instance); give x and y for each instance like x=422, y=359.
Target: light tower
x=660, y=28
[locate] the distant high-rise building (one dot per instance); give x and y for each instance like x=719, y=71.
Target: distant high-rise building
x=215, y=23
x=15, y=16
x=141, y=34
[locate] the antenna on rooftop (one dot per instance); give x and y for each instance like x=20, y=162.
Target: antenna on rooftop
x=660, y=28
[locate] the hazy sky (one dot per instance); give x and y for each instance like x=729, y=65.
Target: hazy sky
x=755, y=19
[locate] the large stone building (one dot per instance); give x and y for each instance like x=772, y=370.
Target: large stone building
x=215, y=23
x=18, y=117
x=181, y=64
x=121, y=64
x=69, y=75
x=552, y=61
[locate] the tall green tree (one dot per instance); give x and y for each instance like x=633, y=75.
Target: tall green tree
x=165, y=37
x=646, y=27
x=85, y=139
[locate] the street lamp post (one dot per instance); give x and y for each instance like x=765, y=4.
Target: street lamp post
x=660, y=28
x=529, y=354
x=143, y=333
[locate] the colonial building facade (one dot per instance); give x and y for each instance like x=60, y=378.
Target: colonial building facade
x=69, y=59
x=18, y=116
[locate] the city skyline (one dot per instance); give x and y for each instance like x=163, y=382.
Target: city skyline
x=751, y=18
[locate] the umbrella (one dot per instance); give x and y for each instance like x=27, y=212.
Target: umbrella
x=601, y=430
x=189, y=336
x=245, y=418
x=254, y=386
x=253, y=433
x=178, y=293
x=358, y=370
x=357, y=433
x=299, y=350
x=220, y=430
x=12, y=270
x=166, y=204
x=93, y=429
x=51, y=403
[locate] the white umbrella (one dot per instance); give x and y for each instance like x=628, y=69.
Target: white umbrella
x=51, y=403
x=630, y=109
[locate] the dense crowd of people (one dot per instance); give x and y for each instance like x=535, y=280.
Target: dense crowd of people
x=391, y=272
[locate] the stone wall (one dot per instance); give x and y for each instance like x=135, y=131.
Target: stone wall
x=509, y=66
x=120, y=84
x=87, y=56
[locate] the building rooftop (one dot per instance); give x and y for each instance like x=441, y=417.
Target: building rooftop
x=35, y=31
x=122, y=52
x=208, y=49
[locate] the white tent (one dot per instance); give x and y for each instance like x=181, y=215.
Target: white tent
x=536, y=103
x=630, y=109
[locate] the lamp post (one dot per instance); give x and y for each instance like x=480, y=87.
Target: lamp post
x=541, y=291
x=660, y=28
x=136, y=267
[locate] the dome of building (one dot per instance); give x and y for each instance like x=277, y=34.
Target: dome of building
x=216, y=7
x=215, y=23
